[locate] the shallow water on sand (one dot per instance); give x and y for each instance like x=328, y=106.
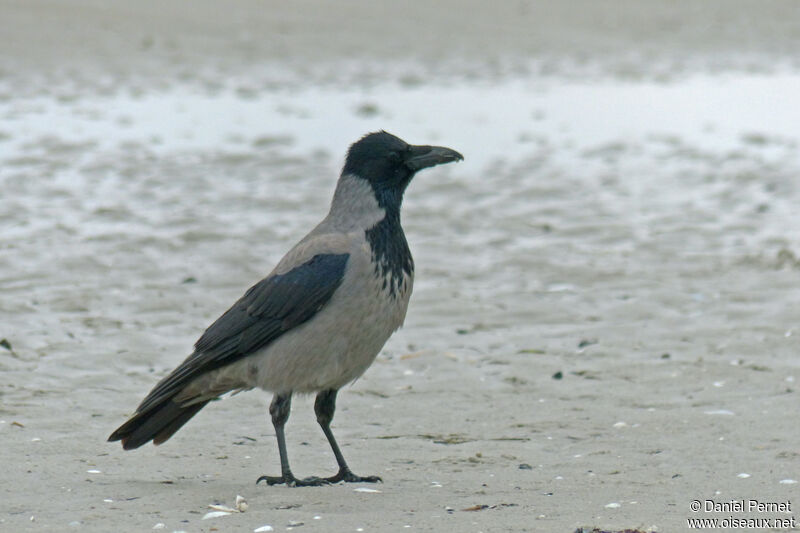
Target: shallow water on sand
x=110, y=203
x=487, y=121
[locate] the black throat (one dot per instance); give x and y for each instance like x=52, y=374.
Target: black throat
x=390, y=252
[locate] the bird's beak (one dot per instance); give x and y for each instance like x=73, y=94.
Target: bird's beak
x=420, y=157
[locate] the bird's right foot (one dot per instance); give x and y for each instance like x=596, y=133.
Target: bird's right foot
x=290, y=481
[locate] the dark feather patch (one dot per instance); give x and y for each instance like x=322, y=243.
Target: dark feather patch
x=390, y=253
x=158, y=424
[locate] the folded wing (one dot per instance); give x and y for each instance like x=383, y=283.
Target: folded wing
x=269, y=309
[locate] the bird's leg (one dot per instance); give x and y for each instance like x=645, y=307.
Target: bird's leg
x=279, y=410
x=324, y=407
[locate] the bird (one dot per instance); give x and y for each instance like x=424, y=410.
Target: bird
x=317, y=321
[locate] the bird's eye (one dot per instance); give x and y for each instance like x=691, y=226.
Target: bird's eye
x=394, y=157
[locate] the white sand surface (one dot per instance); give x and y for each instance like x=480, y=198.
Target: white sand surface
x=605, y=320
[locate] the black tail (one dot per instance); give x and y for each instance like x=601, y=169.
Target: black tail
x=157, y=423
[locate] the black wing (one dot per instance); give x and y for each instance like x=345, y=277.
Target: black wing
x=268, y=309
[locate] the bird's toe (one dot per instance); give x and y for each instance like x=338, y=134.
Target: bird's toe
x=346, y=476
x=289, y=481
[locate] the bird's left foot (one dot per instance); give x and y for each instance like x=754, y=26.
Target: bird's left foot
x=346, y=476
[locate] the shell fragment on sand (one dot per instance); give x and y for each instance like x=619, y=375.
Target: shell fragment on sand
x=223, y=510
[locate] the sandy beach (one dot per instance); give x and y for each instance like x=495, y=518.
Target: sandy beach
x=605, y=319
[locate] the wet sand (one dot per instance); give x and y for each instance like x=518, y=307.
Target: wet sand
x=604, y=325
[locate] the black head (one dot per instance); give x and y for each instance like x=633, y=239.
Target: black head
x=389, y=163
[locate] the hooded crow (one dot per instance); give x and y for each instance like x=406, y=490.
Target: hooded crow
x=318, y=320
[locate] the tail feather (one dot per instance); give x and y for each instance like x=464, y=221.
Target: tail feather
x=158, y=423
